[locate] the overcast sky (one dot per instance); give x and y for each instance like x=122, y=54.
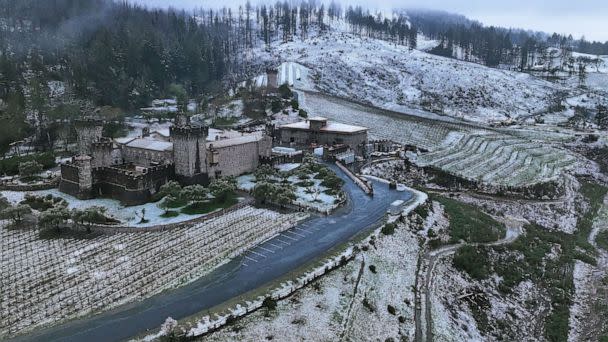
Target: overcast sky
x=576, y=17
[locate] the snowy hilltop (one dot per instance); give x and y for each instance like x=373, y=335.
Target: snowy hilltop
x=399, y=78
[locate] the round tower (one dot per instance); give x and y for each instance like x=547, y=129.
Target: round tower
x=85, y=176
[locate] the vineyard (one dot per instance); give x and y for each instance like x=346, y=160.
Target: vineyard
x=473, y=153
x=47, y=281
x=499, y=160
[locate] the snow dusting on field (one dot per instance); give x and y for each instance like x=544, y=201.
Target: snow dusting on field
x=75, y=277
x=334, y=306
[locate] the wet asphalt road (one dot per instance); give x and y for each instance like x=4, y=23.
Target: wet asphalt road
x=256, y=267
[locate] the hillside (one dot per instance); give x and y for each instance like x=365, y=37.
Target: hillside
x=397, y=78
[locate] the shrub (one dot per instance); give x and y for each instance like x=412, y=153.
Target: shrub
x=10, y=166
x=295, y=105
x=391, y=309
x=372, y=268
x=29, y=168
x=368, y=305
x=276, y=106
x=435, y=243
x=422, y=210
x=302, y=113
x=333, y=182
x=472, y=260
x=269, y=303
x=388, y=229
x=285, y=92
x=15, y=213
x=602, y=240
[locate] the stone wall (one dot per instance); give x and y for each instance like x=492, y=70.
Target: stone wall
x=102, y=154
x=237, y=159
x=131, y=188
x=145, y=157
x=70, y=182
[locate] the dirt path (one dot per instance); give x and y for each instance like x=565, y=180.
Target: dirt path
x=352, y=302
x=425, y=276
x=586, y=322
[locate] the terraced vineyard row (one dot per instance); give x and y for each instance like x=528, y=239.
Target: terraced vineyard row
x=471, y=152
x=499, y=159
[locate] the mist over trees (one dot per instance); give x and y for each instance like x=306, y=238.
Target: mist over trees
x=467, y=39
x=114, y=54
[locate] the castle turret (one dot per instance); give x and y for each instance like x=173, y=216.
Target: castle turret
x=190, y=153
x=77, y=177
x=88, y=132
x=101, y=152
x=181, y=120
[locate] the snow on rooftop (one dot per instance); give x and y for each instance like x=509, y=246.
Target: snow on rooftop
x=218, y=134
x=244, y=139
x=317, y=118
x=331, y=126
x=124, y=141
x=150, y=144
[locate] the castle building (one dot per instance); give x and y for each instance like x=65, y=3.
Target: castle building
x=318, y=131
x=133, y=169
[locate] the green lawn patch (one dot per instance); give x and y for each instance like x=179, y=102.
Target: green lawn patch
x=176, y=203
x=170, y=213
x=199, y=208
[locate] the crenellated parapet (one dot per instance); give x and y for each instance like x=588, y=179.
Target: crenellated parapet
x=189, y=131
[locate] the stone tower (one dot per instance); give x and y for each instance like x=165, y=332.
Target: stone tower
x=190, y=153
x=88, y=132
x=272, y=76
x=85, y=176
x=101, y=151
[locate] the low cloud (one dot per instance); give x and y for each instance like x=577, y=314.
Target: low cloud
x=578, y=18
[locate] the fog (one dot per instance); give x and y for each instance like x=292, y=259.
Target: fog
x=578, y=18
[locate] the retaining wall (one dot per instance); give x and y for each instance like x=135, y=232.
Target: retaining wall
x=361, y=183
x=52, y=184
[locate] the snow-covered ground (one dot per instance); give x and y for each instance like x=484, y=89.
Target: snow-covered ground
x=314, y=196
x=334, y=306
x=128, y=216
x=394, y=77
x=74, y=277
x=290, y=73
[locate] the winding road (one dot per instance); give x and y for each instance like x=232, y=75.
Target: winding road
x=256, y=267
x=428, y=262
